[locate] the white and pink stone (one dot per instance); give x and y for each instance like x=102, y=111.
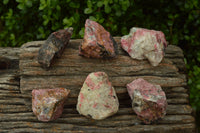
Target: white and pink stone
x=47, y=104
x=145, y=44
x=148, y=100
x=97, y=98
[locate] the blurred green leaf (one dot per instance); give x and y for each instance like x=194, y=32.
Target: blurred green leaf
x=107, y=8
x=74, y=5
x=99, y=3
x=81, y=32
x=5, y=2
x=92, y=18
x=88, y=10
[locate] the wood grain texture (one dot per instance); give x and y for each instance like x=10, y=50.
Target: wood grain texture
x=70, y=70
x=9, y=58
x=15, y=87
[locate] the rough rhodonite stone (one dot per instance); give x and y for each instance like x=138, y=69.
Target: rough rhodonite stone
x=47, y=104
x=148, y=100
x=54, y=46
x=145, y=44
x=97, y=42
x=97, y=98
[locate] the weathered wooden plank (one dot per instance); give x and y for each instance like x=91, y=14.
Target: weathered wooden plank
x=16, y=117
x=73, y=101
x=36, y=125
x=35, y=130
x=12, y=52
x=51, y=127
x=74, y=94
x=175, y=128
x=70, y=56
x=76, y=60
x=175, y=92
x=29, y=51
x=114, y=121
x=8, y=87
x=144, y=69
x=6, y=108
x=30, y=83
x=9, y=78
x=178, y=101
x=171, y=109
x=9, y=92
x=9, y=58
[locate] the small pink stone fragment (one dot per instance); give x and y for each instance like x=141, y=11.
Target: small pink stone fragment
x=148, y=100
x=97, y=42
x=47, y=104
x=97, y=97
x=145, y=44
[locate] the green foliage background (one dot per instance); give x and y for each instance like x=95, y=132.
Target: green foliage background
x=28, y=20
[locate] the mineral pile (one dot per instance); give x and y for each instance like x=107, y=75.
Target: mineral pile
x=97, y=42
x=97, y=98
x=145, y=44
x=47, y=104
x=148, y=100
x=54, y=46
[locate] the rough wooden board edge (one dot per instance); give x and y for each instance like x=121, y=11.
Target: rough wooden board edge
x=171, y=109
x=30, y=127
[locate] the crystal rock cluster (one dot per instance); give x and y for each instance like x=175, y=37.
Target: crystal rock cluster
x=97, y=98
x=145, y=44
x=54, y=46
x=47, y=104
x=148, y=100
x=97, y=42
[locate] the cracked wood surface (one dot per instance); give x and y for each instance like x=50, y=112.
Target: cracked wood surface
x=70, y=72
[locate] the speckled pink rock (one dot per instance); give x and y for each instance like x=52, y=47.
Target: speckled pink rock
x=148, y=100
x=97, y=42
x=47, y=104
x=97, y=98
x=145, y=44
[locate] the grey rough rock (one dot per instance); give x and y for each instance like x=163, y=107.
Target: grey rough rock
x=54, y=46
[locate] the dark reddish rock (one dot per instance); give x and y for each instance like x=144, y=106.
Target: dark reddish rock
x=145, y=44
x=97, y=42
x=47, y=104
x=148, y=100
x=54, y=46
x=97, y=98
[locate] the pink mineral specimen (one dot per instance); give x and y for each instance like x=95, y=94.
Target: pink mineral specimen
x=97, y=98
x=148, y=100
x=145, y=44
x=47, y=104
x=97, y=42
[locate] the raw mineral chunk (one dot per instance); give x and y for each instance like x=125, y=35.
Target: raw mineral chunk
x=97, y=98
x=148, y=100
x=97, y=42
x=47, y=104
x=145, y=44
x=54, y=46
